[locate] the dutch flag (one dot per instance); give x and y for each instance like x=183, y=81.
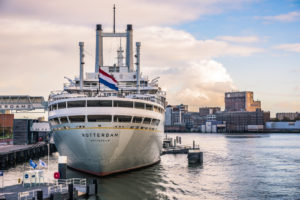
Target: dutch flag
x=108, y=80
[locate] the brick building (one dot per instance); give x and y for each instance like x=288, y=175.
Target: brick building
x=241, y=101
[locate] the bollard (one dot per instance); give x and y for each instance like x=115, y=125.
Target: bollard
x=62, y=167
x=179, y=140
x=70, y=190
x=195, y=157
x=174, y=143
x=39, y=195
x=193, y=144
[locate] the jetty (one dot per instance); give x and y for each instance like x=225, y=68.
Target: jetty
x=11, y=155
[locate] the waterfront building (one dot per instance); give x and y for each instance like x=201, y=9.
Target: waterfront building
x=282, y=127
x=243, y=121
x=204, y=111
x=287, y=116
x=168, y=115
x=174, y=114
x=241, y=101
x=6, y=124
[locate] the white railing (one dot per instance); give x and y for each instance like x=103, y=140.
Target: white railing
x=28, y=194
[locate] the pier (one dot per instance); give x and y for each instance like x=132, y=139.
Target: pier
x=11, y=155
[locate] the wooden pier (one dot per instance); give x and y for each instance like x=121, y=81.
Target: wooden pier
x=12, y=155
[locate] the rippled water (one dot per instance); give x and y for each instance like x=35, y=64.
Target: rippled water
x=234, y=168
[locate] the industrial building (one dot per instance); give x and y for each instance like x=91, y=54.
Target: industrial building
x=241, y=101
x=244, y=121
x=287, y=116
x=204, y=111
x=283, y=127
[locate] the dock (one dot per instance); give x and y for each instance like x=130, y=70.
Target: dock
x=11, y=155
x=62, y=189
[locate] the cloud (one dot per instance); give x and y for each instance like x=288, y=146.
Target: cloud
x=137, y=12
x=289, y=47
x=36, y=55
x=289, y=17
x=198, y=83
x=239, y=39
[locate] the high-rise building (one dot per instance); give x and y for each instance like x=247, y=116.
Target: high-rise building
x=241, y=101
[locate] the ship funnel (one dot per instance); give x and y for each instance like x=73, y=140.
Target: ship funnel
x=138, y=46
x=129, y=48
x=99, y=48
x=81, y=57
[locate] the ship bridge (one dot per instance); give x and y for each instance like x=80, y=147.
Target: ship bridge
x=22, y=103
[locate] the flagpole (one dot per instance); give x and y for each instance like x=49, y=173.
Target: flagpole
x=99, y=79
x=48, y=158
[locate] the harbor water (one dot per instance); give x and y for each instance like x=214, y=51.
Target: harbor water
x=233, y=168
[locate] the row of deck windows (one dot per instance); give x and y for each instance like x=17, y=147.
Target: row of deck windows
x=105, y=103
x=104, y=118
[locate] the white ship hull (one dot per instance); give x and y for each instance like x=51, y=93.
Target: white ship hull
x=105, y=150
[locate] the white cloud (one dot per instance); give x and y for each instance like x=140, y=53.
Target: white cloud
x=288, y=17
x=289, y=47
x=239, y=39
x=36, y=55
x=137, y=12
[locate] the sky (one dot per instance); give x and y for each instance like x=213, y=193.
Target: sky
x=200, y=49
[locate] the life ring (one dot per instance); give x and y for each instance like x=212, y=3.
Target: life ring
x=56, y=175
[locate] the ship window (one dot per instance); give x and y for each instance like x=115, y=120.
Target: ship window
x=147, y=121
x=121, y=118
x=54, y=121
x=155, y=122
x=149, y=107
x=137, y=120
x=64, y=120
x=155, y=108
x=127, y=104
x=139, y=105
x=76, y=104
x=98, y=103
x=99, y=118
x=78, y=118
x=61, y=105
x=54, y=107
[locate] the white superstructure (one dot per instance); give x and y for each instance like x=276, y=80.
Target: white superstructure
x=103, y=131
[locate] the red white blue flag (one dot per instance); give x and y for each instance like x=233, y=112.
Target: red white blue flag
x=108, y=80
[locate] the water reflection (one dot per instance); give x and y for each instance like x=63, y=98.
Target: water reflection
x=233, y=168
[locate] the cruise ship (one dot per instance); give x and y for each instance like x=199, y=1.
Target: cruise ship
x=110, y=120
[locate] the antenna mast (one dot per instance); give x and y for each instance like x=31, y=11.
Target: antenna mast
x=114, y=19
